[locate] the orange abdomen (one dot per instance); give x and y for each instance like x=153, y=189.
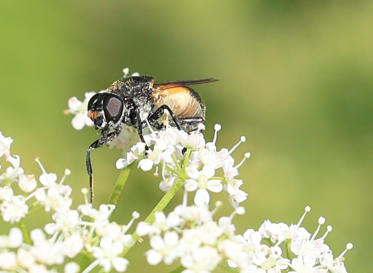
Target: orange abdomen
x=183, y=101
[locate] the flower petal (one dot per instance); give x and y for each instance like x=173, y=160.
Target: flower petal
x=78, y=121
x=214, y=185
x=190, y=185
x=120, y=264
x=146, y=164
x=153, y=257
x=202, y=197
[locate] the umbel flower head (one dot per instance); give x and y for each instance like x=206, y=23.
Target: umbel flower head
x=70, y=232
x=208, y=169
x=192, y=236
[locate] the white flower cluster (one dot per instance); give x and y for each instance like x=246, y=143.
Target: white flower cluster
x=191, y=235
x=72, y=232
x=206, y=169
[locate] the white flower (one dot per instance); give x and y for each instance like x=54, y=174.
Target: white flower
x=13, y=240
x=136, y=151
x=202, y=260
x=107, y=254
x=11, y=174
x=27, y=183
x=236, y=251
x=100, y=216
x=65, y=221
x=210, y=157
x=72, y=245
x=200, y=181
x=25, y=258
x=14, y=210
x=5, y=143
x=46, y=251
x=72, y=267
x=167, y=182
x=195, y=214
x=14, y=160
x=48, y=179
x=56, y=197
x=275, y=232
x=79, y=109
x=304, y=265
x=146, y=164
x=161, y=152
x=8, y=260
x=163, y=248
x=6, y=193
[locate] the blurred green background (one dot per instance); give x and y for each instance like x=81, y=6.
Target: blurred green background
x=295, y=79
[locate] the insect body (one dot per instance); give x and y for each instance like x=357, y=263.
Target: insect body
x=139, y=102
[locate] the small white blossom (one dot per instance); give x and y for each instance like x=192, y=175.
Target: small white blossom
x=201, y=182
x=11, y=175
x=163, y=248
x=25, y=258
x=72, y=267
x=46, y=251
x=13, y=240
x=65, y=221
x=14, y=210
x=27, y=183
x=6, y=193
x=8, y=260
x=73, y=245
x=136, y=151
x=5, y=143
x=107, y=254
x=79, y=109
x=201, y=260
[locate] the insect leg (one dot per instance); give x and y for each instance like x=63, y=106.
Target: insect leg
x=104, y=139
x=139, y=126
x=159, y=112
x=191, y=124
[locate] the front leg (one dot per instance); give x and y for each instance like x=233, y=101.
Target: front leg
x=104, y=139
x=139, y=125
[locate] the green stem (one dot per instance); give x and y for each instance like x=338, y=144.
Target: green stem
x=186, y=159
x=26, y=235
x=119, y=184
x=288, y=249
x=159, y=207
x=166, y=198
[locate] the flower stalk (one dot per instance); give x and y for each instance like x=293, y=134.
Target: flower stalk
x=119, y=185
x=25, y=232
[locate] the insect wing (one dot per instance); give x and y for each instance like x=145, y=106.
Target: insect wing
x=172, y=84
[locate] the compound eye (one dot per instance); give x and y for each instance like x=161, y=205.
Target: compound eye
x=113, y=108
